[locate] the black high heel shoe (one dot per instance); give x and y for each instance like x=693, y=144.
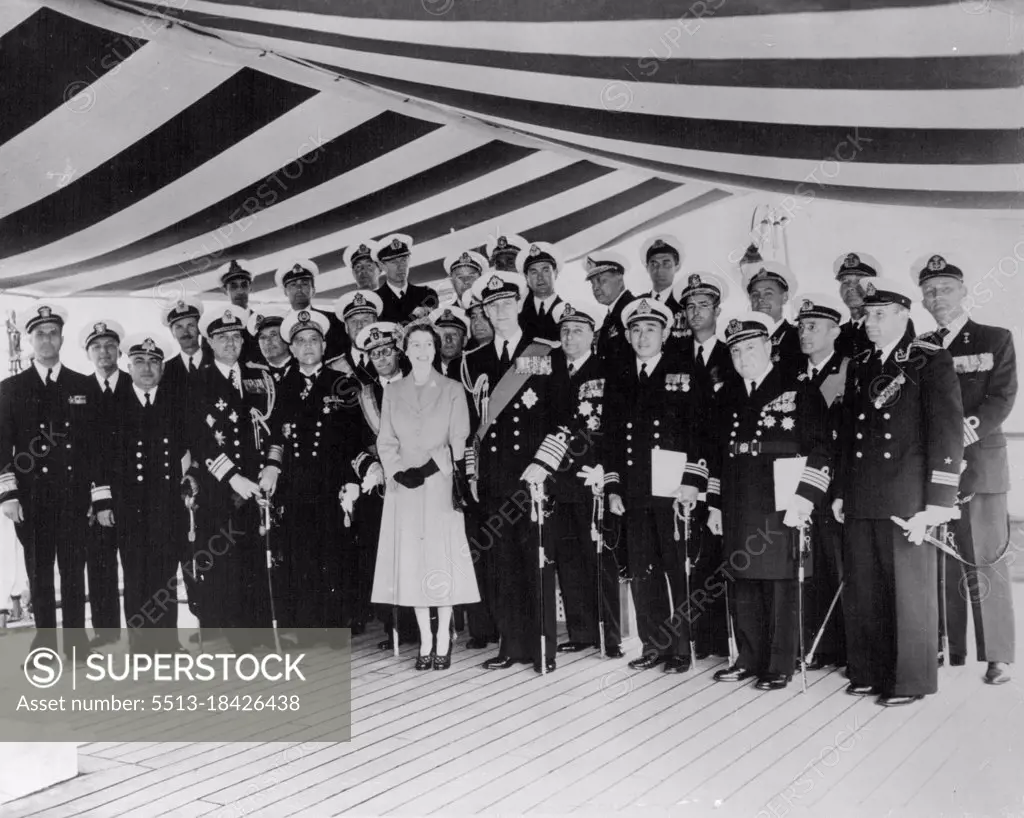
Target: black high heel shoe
x=444, y=662
x=425, y=662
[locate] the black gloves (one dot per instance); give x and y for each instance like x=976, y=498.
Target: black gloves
x=414, y=478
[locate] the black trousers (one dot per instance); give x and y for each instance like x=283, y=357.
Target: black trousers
x=657, y=565
x=524, y=593
x=821, y=588
x=363, y=555
x=53, y=530
x=766, y=625
x=709, y=624
x=576, y=562
x=480, y=615
x=891, y=608
x=150, y=554
x=101, y=573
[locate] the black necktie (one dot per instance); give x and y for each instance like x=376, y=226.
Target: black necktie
x=191, y=365
x=644, y=377
x=814, y=372
x=751, y=386
x=504, y=354
x=49, y=377
x=540, y=310
x=572, y=370
x=106, y=386
x=700, y=356
x=942, y=333
x=148, y=401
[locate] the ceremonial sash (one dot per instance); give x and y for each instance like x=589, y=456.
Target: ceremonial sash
x=833, y=385
x=509, y=385
x=370, y=409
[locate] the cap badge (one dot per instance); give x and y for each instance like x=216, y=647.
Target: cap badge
x=658, y=243
x=936, y=263
x=643, y=306
x=229, y=317
x=396, y=244
x=694, y=280
x=359, y=300
x=447, y=314
x=304, y=316
x=869, y=289
x=259, y=319
x=568, y=310
x=734, y=327
x=807, y=305
x=45, y=312
x=495, y=283
x=99, y=327
x=364, y=249
x=148, y=345
x=534, y=250
x=298, y=268
x=502, y=242
x=181, y=305
x=465, y=258
x=374, y=334
x=851, y=260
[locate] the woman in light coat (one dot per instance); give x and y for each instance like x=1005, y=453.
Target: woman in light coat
x=423, y=557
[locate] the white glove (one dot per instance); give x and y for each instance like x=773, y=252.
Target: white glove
x=615, y=505
x=244, y=487
x=686, y=496
x=593, y=477
x=374, y=477
x=12, y=510
x=268, y=479
x=534, y=474
x=348, y=495
x=798, y=512
x=473, y=489
x=937, y=515
x=837, y=511
x=917, y=527
x=105, y=518
x=715, y=521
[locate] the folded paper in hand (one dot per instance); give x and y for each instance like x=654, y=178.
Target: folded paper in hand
x=787, y=476
x=667, y=469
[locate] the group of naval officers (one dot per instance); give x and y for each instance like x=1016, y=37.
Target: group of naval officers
x=737, y=472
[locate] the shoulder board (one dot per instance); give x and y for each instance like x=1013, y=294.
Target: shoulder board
x=552, y=344
x=254, y=365
x=917, y=342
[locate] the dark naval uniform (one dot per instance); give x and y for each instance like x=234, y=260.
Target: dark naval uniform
x=315, y=438
x=853, y=339
x=47, y=440
x=786, y=347
x=985, y=364
x=144, y=470
x=611, y=340
x=577, y=413
x=782, y=418
x=223, y=442
x=665, y=410
x=535, y=325
x=507, y=539
x=399, y=310
x=901, y=448
x=101, y=559
x=827, y=542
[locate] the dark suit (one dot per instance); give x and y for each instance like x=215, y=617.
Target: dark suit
x=534, y=325
x=900, y=450
x=986, y=366
x=47, y=443
x=400, y=311
x=782, y=418
x=669, y=411
x=573, y=442
x=102, y=543
x=507, y=539
x=144, y=470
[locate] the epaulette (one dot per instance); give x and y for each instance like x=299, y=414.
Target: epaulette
x=926, y=345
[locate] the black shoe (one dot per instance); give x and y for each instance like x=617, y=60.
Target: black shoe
x=387, y=644
x=957, y=661
x=898, y=701
x=499, y=663
x=773, y=681
x=998, y=673
x=677, y=664
x=358, y=628
x=549, y=666
x=425, y=662
x=444, y=662
x=734, y=674
x=477, y=644
x=647, y=661
x=574, y=647
x=855, y=689
x=614, y=652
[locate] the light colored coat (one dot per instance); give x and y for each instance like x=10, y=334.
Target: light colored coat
x=423, y=556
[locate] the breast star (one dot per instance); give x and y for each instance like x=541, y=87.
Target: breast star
x=221, y=405
x=769, y=421
x=787, y=423
x=948, y=461
x=219, y=437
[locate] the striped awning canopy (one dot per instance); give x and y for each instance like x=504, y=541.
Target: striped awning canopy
x=144, y=144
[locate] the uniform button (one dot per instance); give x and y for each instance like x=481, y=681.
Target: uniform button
x=629, y=437
x=237, y=443
x=657, y=435
x=860, y=417
x=44, y=447
x=629, y=425
x=516, y=433
x=166, y=440
x=657, y=423
x=138, y=466
x=736, y=423
x=45, y=470
x=888, y=436
x=138, y=454
x=629, y=462
x=859, y=436
x=758, y=433
x=735, y=414
x=316, y=434
x=314, y=454
x=859, y=454
x=167, y=477
x=494, y=448
x=732, y=435
x=515, y=418
x=139, y=478
x=886, y=416
x=655, y=446
x=516, y=447
x=318, y=423
x=67, y=422
x=886, y=455
x=43, y=427
x=69, y=468
x=67, y=446
x=629, y=451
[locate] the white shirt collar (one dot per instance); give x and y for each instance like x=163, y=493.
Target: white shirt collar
x=544, y=302
x=513, y=343
x=312, y=374
x=224, y=370
x=760, y=380
x=54, y=371
x=775, y=326
x=709, y=346
x=396, y=377
x=662, y=295
x=141, y=394
x=820, y=366
x=652, y=363
x=955, y=329
x=888, y=348
x=577, y=365
x=395, y=290
x=111, y=381
x=196, y=357
x=616, y=300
